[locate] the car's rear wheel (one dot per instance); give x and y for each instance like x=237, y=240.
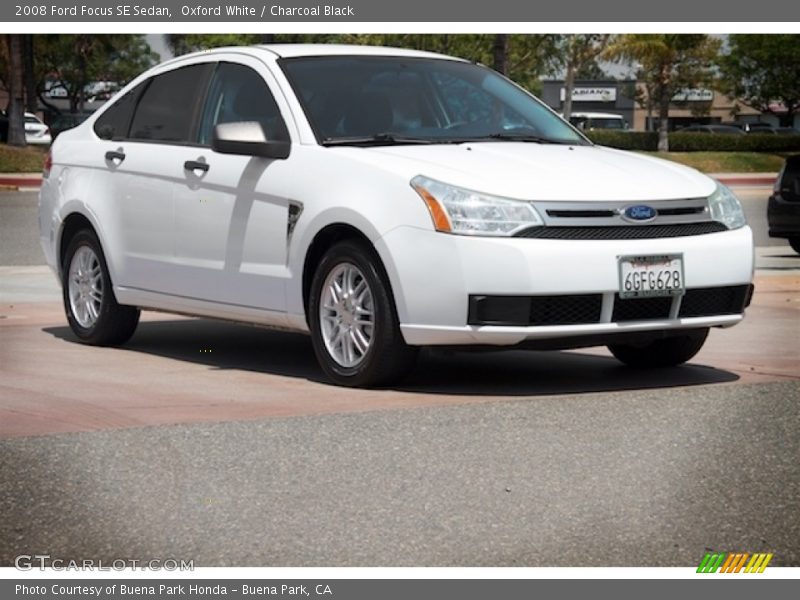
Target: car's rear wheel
x=92, y=309
x=665, y=352
x=795, y=244
x=354, y=325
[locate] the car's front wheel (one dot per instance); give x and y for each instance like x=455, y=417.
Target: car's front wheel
x=92, y=310
x=354, y=325
x=665, y=352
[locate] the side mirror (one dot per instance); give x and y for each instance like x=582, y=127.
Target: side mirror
x=247, y=138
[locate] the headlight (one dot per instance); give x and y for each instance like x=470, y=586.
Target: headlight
x=456, y=210
x=726, y=208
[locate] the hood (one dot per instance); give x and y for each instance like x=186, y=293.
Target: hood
x=531, y=171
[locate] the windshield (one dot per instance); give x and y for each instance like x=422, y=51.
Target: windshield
x=384, y=100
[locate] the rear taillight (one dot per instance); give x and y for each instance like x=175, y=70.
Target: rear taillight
x=48, y=164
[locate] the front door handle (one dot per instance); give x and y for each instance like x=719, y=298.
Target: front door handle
x=115, y=155
x=195, y=165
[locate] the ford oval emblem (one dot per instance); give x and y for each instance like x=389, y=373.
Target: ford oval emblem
x=640, y=212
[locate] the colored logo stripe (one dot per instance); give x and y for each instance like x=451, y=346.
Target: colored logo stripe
x=758, y=563
x=734, y=562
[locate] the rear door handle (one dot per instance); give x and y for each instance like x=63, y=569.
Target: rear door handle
x=115, y=155
x=195, y=165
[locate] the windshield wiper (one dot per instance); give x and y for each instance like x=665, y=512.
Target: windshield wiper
x=524, y=137
x=379, y=139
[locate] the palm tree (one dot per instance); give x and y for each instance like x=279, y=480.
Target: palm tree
x=16, y=91
x=668, y=62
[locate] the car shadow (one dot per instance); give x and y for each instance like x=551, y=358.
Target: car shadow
x=223, y=345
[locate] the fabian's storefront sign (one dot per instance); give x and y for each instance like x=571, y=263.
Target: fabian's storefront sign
x=591, y=94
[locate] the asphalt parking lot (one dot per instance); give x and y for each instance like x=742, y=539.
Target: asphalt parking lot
x=222, y=443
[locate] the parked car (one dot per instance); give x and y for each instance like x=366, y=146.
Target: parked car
x=762, y=128
x=783, y=207
x=713, y=129
x=36, y=132
x=382, y=200
x=757, y=128
x=587, y=121
x=66, y=121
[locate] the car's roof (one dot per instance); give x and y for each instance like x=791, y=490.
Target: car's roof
x=712, y=127
x=299, y=50
x=295, y=50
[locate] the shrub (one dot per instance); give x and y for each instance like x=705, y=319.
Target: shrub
x=752, y=142
x=697, y=142
x=625, y=140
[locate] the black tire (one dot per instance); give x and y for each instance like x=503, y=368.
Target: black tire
x=795, y=244
x=387, y=358
x=114, y=323
x=666, y=352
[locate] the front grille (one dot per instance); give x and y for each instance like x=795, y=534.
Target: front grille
x=534, y=310
x=580, y=214
x=581, y=309
x=624, y=232
x=641, y=309
x=566, y=310
x=683, y=210
x=706, y=302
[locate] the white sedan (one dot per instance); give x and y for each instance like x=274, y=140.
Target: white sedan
x=382, y=200
x=36, y=132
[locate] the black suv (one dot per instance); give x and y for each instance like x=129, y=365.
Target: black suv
x=783, y=209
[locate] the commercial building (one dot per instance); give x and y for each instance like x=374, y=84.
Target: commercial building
x=628, y=98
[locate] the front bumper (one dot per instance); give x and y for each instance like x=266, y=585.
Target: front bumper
x=433, y=276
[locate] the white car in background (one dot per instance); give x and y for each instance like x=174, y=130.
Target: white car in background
x=382, y=200
x=588, y=121
x=36, y=132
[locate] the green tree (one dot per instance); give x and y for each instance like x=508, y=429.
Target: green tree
x=668, y=63
x=762, y=70
x=73, y=61
x=184, y=43
x=578, y=52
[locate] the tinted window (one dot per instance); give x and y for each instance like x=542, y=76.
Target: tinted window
x=166, y=109
x=113, y=123
x=440, y=100
x=238, y=93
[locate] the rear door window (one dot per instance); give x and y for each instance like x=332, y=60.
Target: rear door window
x=114, y=122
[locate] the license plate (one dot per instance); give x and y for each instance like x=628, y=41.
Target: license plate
x=651, y=276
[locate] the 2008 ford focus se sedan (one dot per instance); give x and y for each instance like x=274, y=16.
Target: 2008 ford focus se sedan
x=382, y=200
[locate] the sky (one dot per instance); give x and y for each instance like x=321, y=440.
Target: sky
x=157, y=44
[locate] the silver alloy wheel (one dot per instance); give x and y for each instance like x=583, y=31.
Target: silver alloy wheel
x=346, y=315
x=85, y=281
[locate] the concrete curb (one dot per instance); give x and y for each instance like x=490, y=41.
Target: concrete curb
x=17, y=182
x=745, y=179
